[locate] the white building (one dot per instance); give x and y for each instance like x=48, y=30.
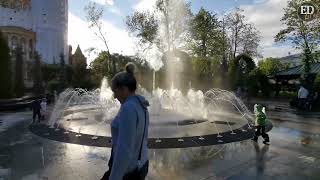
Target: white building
x=47, y=19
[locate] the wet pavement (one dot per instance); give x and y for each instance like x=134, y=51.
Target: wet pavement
x=294, y=153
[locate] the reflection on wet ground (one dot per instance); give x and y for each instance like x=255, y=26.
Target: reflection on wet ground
x=293, y=154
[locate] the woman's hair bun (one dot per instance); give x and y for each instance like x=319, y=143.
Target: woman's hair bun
x=130, y=67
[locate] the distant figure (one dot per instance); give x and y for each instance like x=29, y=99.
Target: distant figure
x=261, y=121
x=303, y=94
x=55, y=94
x=43, y=108
x=245, y=95
x=48, y=97
x=239, y=92
x=36, y=107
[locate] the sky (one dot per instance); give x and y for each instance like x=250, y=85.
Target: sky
x=264, y=14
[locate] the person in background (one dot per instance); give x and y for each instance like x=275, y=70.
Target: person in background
x=129, y=130
x=261, y=121
x=303, y=94
x=36, y=107
x=43, y=106
x=239, y=92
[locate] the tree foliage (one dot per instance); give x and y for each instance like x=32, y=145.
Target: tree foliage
x=94, y=15
x=316, y=85
x=5, y=71
x=62, y=73
x=143, y=25
x=305, y=35
x=99, y=68
x=19, y=81
x=239, y=70
x=168, y=31
x=205, y=34
x=80, y=73
x=258, y=81
x=244, y=38
x=37, y=75
x=270, y=66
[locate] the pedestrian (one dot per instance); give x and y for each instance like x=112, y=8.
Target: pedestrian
x=239, y=92
x=261, y=121
x=129, y=130
x=303, y=94
x=43, y=106
x=36, y=110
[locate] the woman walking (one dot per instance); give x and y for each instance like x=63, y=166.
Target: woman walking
x=129, y=129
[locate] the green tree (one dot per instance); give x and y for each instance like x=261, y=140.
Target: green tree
x=244, y=38
x=37, y=75
x=94, y=17
x=62, y=74
x=258, y=81
x=224, y=47
x=144, y=26
x=99, y=68
x=208, y=71
x=5, y=72
x=79, y=69
x=19, y=82
x=270, y=66
x=316, y=85
x=174, y=18
x=50, y=72
x=304, y=35
x=205, y=34
x=209, y=39
x=239, y=70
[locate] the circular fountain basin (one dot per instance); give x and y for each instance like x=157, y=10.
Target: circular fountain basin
x=164, y=124
x=167, y=129
x=176, y=120
x=243, y=133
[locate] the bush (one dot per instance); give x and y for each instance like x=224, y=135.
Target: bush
x=287, y=94
x=54, y=85
x=252, y=80
x=316, y=84
x=19, y=82
x=256, y=81
x=239, y=70
x=5, y=70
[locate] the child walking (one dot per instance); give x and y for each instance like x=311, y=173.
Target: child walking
x=261, y=121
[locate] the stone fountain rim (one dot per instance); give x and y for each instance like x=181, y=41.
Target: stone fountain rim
x=45, y=131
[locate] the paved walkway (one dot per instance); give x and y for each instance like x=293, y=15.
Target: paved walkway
x=294, y=153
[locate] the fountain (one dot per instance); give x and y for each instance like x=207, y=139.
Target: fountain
x=214, y=117
x=177, y=119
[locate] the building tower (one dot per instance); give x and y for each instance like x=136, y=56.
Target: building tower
x=36, y=25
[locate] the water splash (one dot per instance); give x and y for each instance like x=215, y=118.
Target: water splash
x=170, y=106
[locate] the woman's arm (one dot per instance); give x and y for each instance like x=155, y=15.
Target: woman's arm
x=126, y=142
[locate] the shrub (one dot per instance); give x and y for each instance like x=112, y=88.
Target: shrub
x=316, y=84
x=5, y=71
x=256, y=81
